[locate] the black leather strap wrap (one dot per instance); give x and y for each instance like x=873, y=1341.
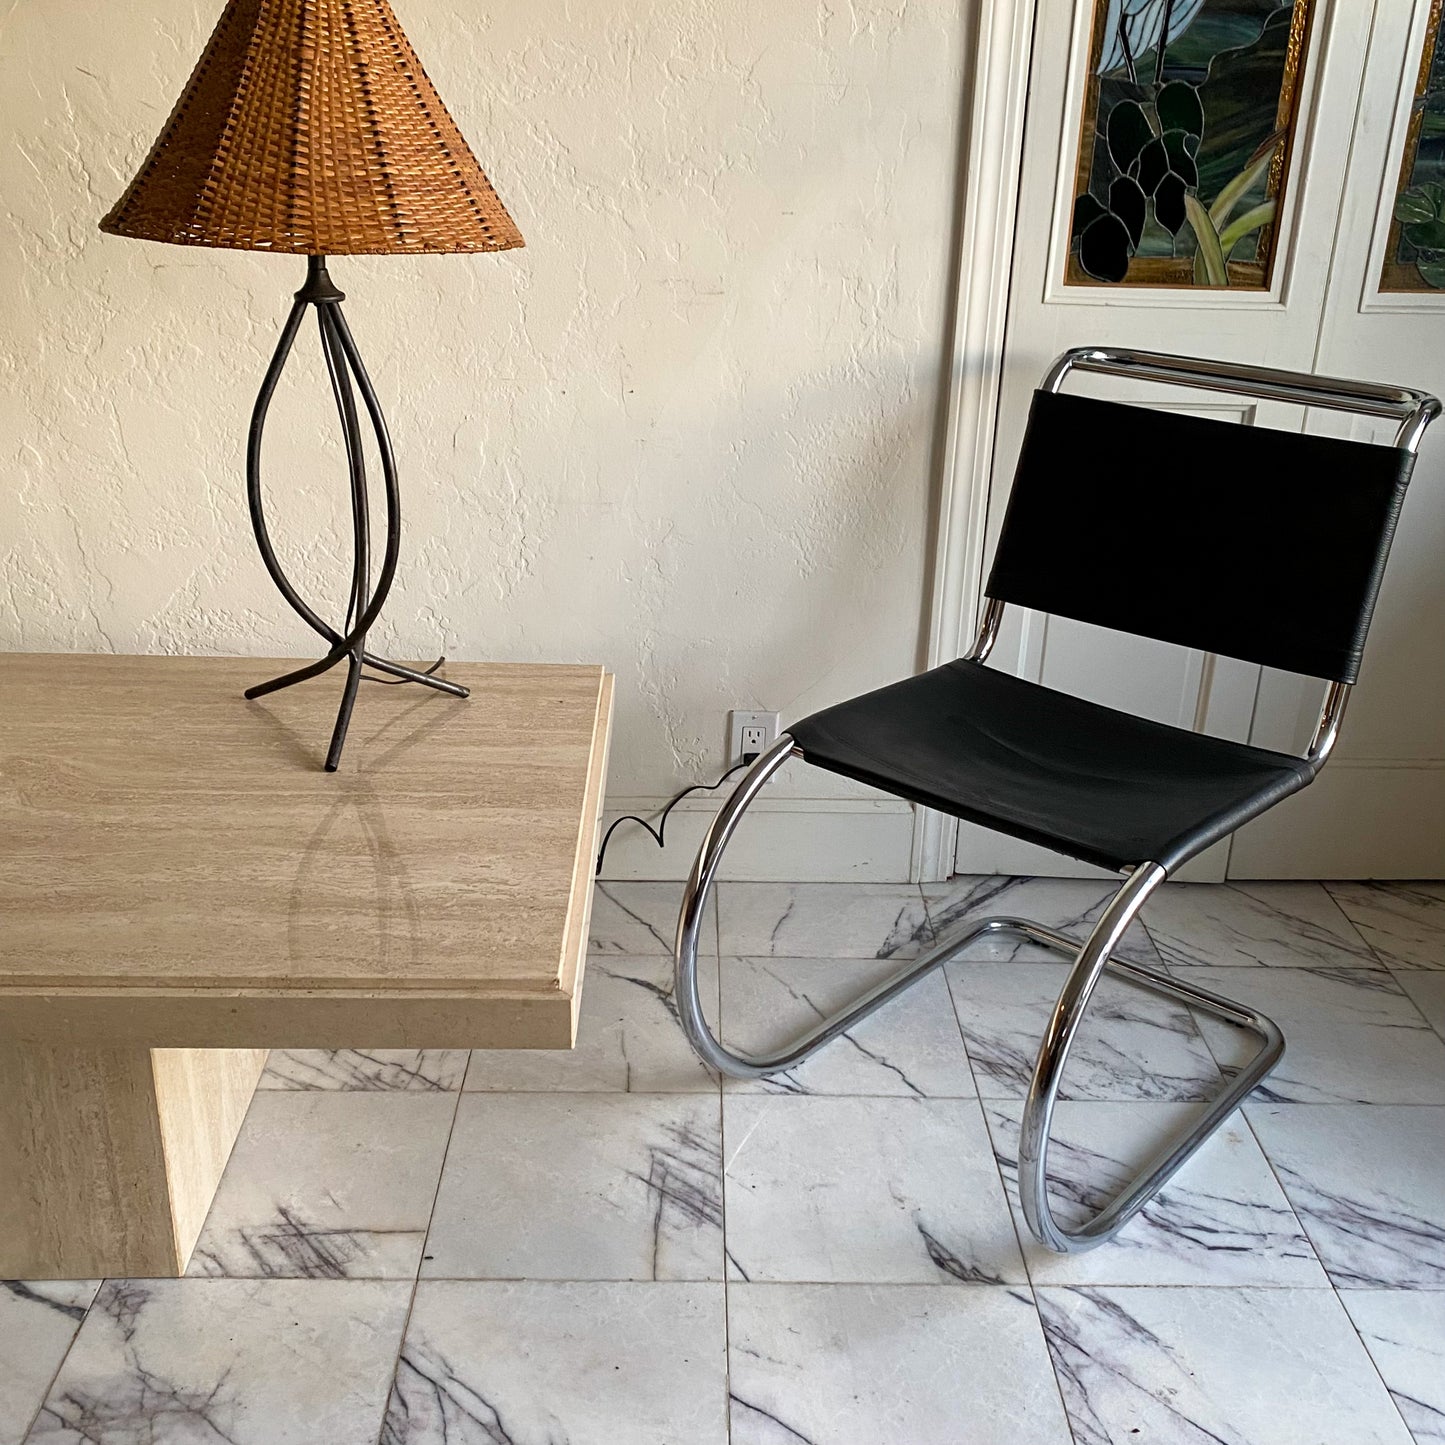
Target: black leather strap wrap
x=1259, y=544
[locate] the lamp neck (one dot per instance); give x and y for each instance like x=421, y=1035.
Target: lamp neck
x=319, y=287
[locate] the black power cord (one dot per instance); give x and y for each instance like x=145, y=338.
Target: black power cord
x=661, y=829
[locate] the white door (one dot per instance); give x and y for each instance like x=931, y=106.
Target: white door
x=1272, y=319
x=1378, y=810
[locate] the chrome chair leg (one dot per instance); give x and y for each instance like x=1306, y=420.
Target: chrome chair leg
x=705, y=1043
x=1090, y=960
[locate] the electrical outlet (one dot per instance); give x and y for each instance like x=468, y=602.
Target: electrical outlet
x=750, y=733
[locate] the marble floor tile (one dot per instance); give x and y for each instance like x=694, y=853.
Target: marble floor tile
x=890, y=1365
x=1368, y=1184
x=822, y=920
x=416, y=1071
x=1243, y=1366
x=1069, y=905
x=245, y=1362
x=37, y=1323
x=1223, y=1220
x=1404, y=1331
x=629, y=1039
x=910, y=1047
x=580, y=1186
x=864, y=1191
x=1133, y=1044
x=1279, y=925
x=327, y=1186
x=1426, y=988
x=584, y=1364
x=1352, y=1036
x=637, y=919
x=1403, y=922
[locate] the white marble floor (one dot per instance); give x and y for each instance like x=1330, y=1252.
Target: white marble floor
x=609, y=1247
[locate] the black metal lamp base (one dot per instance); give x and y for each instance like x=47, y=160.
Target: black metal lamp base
x=348, y=644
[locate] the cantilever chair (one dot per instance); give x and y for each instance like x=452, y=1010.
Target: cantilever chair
x=1259, y=544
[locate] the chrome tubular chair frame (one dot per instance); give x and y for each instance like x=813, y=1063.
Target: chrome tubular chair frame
x=1090, y=960
x=1414, y=411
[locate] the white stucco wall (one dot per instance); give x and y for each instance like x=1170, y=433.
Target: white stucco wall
x=686, y=432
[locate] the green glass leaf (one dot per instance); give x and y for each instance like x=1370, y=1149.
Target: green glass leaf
x=1087, y=209
x=1180, y=108
x=1428, y=236
x=1127, y=201
x=1153, y=166
x=1181, y=162
x=1433, y=272
x=1169, y=203
x=1413, y=206
x=1104, y=249
x=1129, y=131
x=1436, y=192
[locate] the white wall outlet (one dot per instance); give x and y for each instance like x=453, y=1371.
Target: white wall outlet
x=750, y=733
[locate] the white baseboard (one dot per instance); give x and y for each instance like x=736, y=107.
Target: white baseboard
x=803, y=840
x=981, y=851
x=1359, y=819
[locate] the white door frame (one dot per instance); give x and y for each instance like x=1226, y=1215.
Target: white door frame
x=988, y=206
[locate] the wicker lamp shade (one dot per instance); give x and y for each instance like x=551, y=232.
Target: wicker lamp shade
x=309, y=126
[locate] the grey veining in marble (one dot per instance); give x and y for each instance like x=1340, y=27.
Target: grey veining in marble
x=1222, y=1366
x=228, y=1362
x=38, y=1320
x=333, y=1185
x=1368, y=1184
x=864, y=1191
x=1426, y=988
x=1223, y=1220
x=1069, y=905
x=822, y=920
x=912, y=1047
x=1404, y=1331
x=1403, y=922
x=419, y=1071
x=891, y=1365
x=629, y=1039
x=580, y=1186
x=1133, y=1044
x=1279, y=925
x=640, y=919
x=561, y=1364
x=1351, y=1035
x=609, y=1219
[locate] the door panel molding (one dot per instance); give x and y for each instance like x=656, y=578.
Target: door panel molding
x=988, y=206
x=1386, y=50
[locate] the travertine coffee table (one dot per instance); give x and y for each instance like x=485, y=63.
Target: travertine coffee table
x=182, y=888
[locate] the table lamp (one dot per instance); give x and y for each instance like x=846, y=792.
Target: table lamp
x=310, y=127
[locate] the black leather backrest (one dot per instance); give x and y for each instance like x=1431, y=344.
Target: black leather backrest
x=1259, y=544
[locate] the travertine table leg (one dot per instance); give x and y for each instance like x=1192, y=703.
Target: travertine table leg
x=109, y=1158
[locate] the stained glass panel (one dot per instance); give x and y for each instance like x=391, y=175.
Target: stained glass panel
x=1188, y=121
x=1415, y=252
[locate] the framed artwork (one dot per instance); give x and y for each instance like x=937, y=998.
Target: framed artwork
x=1188, y=121
x=1415, y=251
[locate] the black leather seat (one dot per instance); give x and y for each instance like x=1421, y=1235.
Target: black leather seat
x=1100, y=785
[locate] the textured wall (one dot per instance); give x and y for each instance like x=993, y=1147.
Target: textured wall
x=686, y=432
